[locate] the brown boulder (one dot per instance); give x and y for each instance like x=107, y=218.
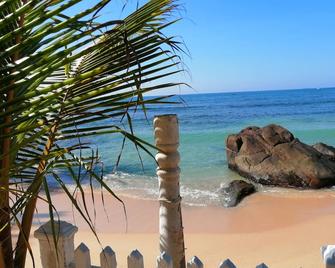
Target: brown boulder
x=272, y=156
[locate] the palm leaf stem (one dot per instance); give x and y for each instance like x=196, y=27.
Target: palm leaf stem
x=27, y=219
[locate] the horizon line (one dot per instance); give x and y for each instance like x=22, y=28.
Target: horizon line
x=246, y=91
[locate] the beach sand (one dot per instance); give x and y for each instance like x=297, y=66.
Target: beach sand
x=282, y=230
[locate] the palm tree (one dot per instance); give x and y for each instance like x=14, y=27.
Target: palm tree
x=63, y=78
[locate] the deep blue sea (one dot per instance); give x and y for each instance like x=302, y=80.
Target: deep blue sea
x=205, y=121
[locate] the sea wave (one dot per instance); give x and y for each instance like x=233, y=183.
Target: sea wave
x=146, y=187
x=193, y=194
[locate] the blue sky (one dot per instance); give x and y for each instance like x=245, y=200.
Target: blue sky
x=260, y=44
x=239, y=45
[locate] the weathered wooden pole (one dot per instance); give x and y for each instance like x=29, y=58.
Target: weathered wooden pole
x=170, y=219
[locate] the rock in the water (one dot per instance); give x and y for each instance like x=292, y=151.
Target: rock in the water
x=272, y=156
x=235, y=192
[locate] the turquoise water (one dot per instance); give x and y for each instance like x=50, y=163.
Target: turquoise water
x=205, y=121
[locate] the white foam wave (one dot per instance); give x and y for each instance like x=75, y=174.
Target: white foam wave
x=146, y=187
x=193, y=193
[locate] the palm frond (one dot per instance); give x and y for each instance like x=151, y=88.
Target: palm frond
x=64, y=78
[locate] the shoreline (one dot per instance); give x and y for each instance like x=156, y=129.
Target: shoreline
x=279, y=229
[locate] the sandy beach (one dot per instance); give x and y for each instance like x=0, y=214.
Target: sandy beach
x=279, y=229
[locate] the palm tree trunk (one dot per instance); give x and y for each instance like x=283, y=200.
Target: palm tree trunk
x=5, y=225
x=6, y=246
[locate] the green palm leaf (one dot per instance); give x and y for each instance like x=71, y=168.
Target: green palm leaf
x=63, y=78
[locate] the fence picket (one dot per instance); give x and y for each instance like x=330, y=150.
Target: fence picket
x=135, y=259
x=195, y=262
x=262, y=265
x=82, y=256
x=227, y=264
x=108, y=258
x=164, y=260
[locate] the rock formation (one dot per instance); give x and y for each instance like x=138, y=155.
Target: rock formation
x=273, y=156
x=234, y=192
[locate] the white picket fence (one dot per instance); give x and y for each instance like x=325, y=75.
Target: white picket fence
x=66, y=256
x=135, y=260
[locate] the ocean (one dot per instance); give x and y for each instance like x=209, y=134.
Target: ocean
x=205, y=121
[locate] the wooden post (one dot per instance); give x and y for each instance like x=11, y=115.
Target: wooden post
x=108, y=258
x=65, y=247
x=227, y=264
x=82, y=256
x=170, y=219
x=328, y=255
x=195, y=262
